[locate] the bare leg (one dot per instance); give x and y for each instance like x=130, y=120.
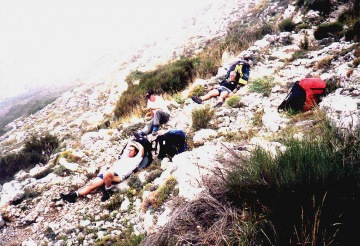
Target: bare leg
x=223, y=96
x=95, y=183
x=210, y=94
x=109, y=176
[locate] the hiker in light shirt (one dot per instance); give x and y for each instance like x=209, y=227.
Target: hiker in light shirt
x=159, y=114
x=121, y=169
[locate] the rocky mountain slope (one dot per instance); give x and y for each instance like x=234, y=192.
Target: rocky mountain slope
x=31, y=210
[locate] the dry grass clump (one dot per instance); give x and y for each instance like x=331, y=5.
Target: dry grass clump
x=206, y=221
x=210, y=220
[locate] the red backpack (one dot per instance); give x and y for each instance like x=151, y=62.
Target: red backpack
x=314, y=88
x=304, y=95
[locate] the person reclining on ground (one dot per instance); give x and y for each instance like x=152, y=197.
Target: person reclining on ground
x=159, y=114
x=121, y=169
x=226, y=89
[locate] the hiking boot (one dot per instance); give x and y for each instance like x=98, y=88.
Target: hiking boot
x=71, y=197
x=105, y=196
x=138, y=134
x=218, y=104
x=196, y=99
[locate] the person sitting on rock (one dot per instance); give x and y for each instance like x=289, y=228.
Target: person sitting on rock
x=115, y=174
x=159, y=114
x=226, y=89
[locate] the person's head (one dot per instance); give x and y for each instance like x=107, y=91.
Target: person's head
x=149, y=94
x=132, y=150
x=232, y=75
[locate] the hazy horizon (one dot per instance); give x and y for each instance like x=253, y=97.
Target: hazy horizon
x=51, y=41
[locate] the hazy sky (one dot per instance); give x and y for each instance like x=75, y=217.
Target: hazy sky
x=50, y=40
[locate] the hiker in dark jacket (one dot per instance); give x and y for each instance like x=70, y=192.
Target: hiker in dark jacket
x=226, y=89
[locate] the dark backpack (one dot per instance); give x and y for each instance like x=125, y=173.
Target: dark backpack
x=171, y=143
x=242, y=69
x=295, y=99
x=148, y=158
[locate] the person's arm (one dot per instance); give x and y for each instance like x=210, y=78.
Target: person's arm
x=234, y=91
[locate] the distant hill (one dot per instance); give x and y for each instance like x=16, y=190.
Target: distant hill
x=29, y=103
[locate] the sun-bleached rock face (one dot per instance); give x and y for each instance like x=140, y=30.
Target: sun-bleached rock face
x=11, y=192
x=77, y=118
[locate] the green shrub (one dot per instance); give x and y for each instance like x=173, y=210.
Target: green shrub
x=135, y=183
x=197, y=91
x=62, y=171
x=323, y=6
x=302, y=26
x=201, y=118
x=170, y=78
x=286, y=25
x=133, y=76
x=353, y=33
x=234, y=101
x=36, y=150
x=262, y=85
x=317, y=176
x=328, y=30
x=115, y=202
x=179, y=98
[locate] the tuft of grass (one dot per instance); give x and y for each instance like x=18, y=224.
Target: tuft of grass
x=298, y=54
x=115, y=202
x=234, y=102
x=68, y=156
x=302, y=26
x=304, y=44
x=262, y=85
x=135, y=183
x=286, y=25
x=201, y=117
x=62, y=171
x=126, y=238
x=179, y=99
x=197, y=91
x=356, y=62
x=257, y=120
x=157, y=198
x=325, y=62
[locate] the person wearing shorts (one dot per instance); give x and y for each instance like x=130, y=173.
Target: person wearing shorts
x=121, y=169
x=223, y=91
